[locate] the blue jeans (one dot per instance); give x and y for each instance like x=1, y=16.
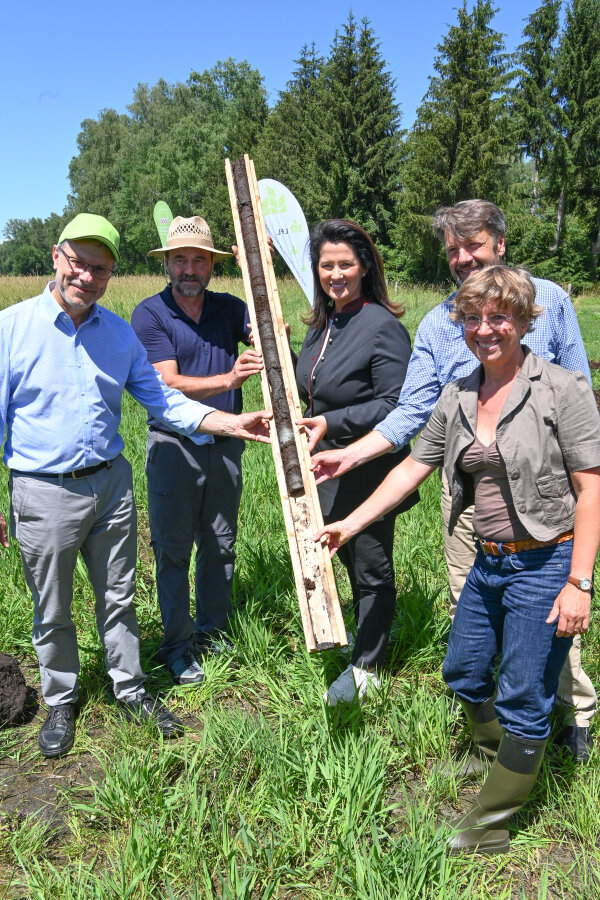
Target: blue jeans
x=503, y=610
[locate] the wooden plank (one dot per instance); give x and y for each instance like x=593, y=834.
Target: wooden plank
x=322, y=618
x=333, y=613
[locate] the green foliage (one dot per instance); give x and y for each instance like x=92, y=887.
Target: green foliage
x=533, y=100
x=460, y=143
x=28, y=245
x=171, y=146
x=575, y=161
x=334, y=136
x=296, y=146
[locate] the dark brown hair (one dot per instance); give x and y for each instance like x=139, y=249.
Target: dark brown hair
x=374, y=288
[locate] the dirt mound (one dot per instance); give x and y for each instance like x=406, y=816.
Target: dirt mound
x=13, y=691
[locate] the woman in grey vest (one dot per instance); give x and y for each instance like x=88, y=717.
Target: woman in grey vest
x=522, y=436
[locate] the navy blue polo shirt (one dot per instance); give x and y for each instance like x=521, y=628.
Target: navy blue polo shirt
x=208, y=347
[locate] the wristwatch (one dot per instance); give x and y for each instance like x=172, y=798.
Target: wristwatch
x=584, y=584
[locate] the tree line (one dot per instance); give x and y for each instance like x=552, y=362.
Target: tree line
x=520, y=129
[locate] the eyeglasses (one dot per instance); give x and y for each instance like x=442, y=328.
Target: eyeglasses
x=101, y=273
x=496, y=321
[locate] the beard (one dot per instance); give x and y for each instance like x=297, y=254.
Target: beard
x=188, y=285
x=192, y=286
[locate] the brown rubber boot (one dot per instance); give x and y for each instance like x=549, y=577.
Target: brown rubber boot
x=506, y=789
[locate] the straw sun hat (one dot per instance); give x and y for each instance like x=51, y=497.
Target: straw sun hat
x=192, y=232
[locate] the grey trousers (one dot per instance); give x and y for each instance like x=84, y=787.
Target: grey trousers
x=575, y=690
x=53, y=519
x=194, y=495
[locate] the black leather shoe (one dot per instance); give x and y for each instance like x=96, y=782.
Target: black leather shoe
x=578, y=742
x=57, y=734
x=146, y=708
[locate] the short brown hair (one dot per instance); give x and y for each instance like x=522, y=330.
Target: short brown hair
x=511, y=289
x=467, y=217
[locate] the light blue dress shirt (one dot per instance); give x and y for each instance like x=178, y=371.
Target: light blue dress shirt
x=440, y=355
x=61, y=388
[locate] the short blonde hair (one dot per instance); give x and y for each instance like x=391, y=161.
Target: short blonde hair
x=510, y=289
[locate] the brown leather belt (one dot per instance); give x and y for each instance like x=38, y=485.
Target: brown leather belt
x=505, y=548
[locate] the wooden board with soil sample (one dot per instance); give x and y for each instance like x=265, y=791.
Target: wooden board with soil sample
x=315, y=583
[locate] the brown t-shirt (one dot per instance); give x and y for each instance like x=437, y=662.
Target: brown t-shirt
x=494, y=515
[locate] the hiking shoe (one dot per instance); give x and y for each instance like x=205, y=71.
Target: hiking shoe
x=146, y=708
x=186, y=670
x=353, y=682
x=57, y=734
x=577, y=742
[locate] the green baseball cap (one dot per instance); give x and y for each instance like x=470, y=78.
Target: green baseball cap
x=89, y=227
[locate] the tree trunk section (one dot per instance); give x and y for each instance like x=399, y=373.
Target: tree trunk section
x=281, y=410
x=560, y=214
x=596, y=244
x=534, y=191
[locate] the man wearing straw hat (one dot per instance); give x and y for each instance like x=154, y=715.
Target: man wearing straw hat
x=65, y=362
x=191, y=336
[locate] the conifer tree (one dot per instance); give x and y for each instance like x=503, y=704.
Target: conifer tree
x=334, y=136
x=367, y=128
x=296, y=146
x=576, y=157
x=461, y=141
x=533, y=97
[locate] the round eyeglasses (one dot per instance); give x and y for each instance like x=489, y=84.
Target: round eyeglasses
x=495, y=321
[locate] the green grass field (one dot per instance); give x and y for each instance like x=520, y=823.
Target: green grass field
x=270, y=794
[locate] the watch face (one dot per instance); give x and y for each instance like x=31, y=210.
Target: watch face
x=585, y=584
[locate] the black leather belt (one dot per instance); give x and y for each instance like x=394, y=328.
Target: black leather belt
x=76, y=473
x=184, y=437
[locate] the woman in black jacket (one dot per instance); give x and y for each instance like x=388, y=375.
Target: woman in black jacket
x=350, y=371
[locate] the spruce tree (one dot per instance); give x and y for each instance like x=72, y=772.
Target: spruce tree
x=367, y=128
x=576, y=158
x=461, y=141
x=533, y=98
x=334, y=135
x=297, y=146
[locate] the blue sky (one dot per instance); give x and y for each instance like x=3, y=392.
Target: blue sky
x=65, y=62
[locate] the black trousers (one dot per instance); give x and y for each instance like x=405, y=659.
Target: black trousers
x=368, y=558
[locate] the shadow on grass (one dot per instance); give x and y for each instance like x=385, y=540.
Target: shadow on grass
x=419, y=636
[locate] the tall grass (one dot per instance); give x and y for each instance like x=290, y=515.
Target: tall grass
x=270, y=794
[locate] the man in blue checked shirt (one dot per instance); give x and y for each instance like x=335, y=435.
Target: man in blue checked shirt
x=64, y=364
x=473, y=232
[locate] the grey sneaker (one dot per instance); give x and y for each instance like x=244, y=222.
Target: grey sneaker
x=353, y=682
x=186, y=670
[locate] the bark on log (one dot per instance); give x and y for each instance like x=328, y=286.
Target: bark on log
x=281, y=410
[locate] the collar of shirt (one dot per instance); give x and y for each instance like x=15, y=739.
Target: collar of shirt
x=351, y=307
x=55, y=311
x=209, y=306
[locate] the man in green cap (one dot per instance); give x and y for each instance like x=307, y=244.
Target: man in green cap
x=64, y=364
